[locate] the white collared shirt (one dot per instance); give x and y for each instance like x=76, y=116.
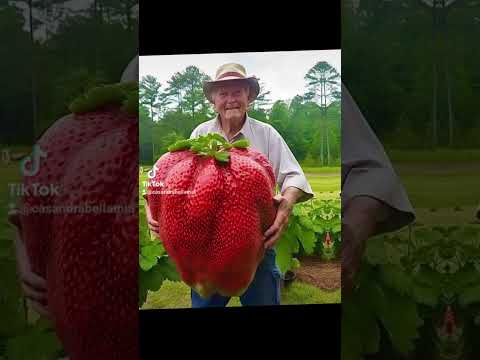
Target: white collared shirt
x=266, y=139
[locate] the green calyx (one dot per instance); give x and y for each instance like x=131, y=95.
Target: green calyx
x=212, y=144
x=124, y=95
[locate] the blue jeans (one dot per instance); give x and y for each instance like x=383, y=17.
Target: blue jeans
x=264, y=289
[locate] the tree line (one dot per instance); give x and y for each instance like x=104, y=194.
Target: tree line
x=412, y=66
x=309, y=122
x=52, y=52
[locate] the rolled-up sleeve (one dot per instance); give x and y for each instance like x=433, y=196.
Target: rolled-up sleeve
x=288, y=171
x=367, y=171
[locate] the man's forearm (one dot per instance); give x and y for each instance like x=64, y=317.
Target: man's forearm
x=363, y=212
x=293, y=194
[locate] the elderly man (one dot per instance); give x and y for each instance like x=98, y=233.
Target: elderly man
x=231, y=93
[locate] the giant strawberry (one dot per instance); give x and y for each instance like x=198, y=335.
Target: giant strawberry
x=213, y=201
x=84, y=240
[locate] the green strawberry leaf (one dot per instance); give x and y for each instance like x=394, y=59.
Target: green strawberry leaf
x=295, y=263
x=425, y=295
x=465, y=278
x=360, y=331
x=285, y=248
x=219, y=138
x=34, y=343
x=150, y=280
x=11, y=314
x=146, y=263
x=150, y=253
x=6, y=248
x=402, y=324
x=243, y=143
x=307, y=223
x=375, y=253
x=180, y=145
x=395, y=278
x=168, y=268
x=426, y=236
x=306, y=237
x=393, y=253
x=319, y=229
x=222, y=156
x=298, y=210
x=113, y=94
x=470, y=295
x=336, y=226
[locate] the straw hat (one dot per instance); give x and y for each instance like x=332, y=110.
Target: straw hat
x=232, y=72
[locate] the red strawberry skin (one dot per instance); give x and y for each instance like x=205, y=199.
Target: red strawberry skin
x=90, y=256
x=61, y=142
x=213, y=215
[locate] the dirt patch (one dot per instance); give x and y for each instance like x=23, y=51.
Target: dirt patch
x=325, y=275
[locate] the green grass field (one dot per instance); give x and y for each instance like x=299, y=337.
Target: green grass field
x=446, y=193
x=175, y=295
x=439, y=156
x=10, y=175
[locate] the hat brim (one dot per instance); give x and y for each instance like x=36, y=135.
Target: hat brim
x=251, y=80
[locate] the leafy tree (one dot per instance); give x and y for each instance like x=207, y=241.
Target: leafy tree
x=262, y=101
x=186, y=91
x=149, y=92
x=323, y=83
x=123, y=9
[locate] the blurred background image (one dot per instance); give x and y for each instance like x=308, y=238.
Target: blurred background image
x=411, y=66
x=52, y=52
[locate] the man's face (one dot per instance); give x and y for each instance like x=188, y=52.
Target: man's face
x=231, y=101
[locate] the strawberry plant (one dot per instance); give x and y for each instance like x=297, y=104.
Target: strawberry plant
x=154, y=264
x=429, y=276
x=20, y=335
x=308, y=226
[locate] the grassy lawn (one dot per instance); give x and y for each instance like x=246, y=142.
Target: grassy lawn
x=321, y=170
x=443, y=199
x=177, y=295
x=324, y=184
x=442, y=191
x=8, y=175
x=439, y=156
x=442, y=185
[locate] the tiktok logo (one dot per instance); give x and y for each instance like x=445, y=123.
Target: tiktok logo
x=152, y=173
x=30, y=166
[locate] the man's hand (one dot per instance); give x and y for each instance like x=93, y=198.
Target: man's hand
x=153, y=225
x=358, y=224
x=353, y=247
x=33, y=286
x=272, y=235
x=284, y=203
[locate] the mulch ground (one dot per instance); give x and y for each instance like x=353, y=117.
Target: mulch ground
x=325, y=275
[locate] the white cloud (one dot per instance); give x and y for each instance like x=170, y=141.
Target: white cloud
x=282, y=72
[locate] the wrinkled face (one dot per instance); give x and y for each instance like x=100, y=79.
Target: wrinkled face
x=231, y=100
